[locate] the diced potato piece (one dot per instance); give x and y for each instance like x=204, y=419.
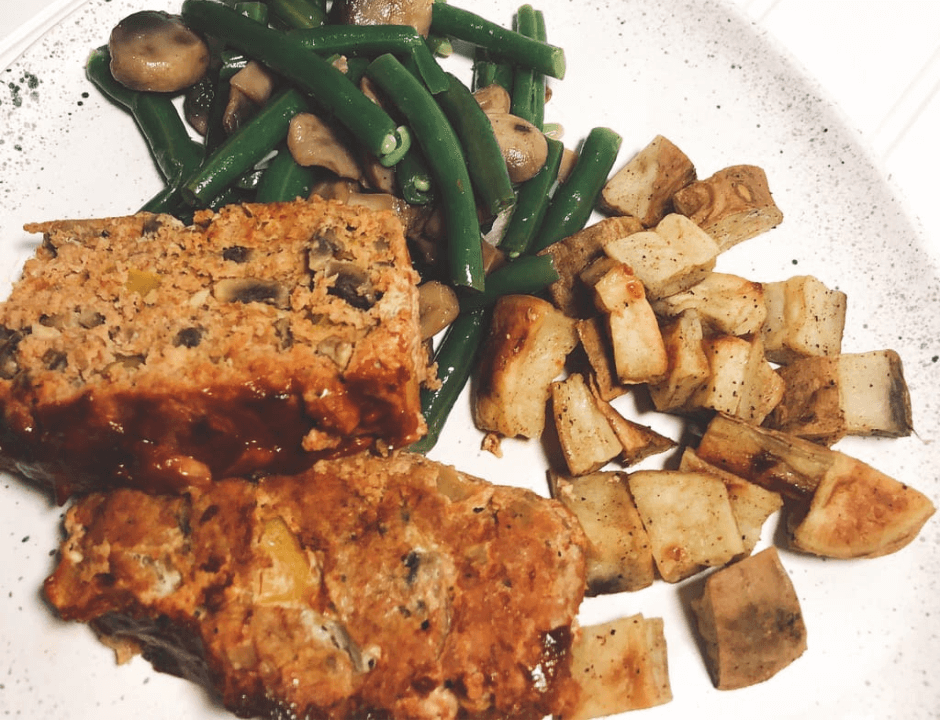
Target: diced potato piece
x=750, y=503
x=810, y=407
x=672, y=258
x=586, y=438
x=619, y=665
x=732, y=205
x=600, y=357
x=741, y=382
x=858, y=512
x=750, y=619
x=804, y=318
x=618, y=554
x=524, y=351
x=874, y=394
x=849, y=508
x=688, y=367
x=639, y=353
x=688, y=518
x=728, y=304
x=728, y=358
x=636, y=441
x=777, y=461
x=763, y=389
x=644, y=186
x=574, y=253
x=827, y=398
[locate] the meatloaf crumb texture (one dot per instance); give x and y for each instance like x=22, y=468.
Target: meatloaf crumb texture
x=137, y=351
x=365, y=587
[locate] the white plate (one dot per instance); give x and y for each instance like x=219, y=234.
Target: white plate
x=695, y=71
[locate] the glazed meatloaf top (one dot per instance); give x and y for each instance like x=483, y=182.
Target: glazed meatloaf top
x=364, y=588
x=137, y=351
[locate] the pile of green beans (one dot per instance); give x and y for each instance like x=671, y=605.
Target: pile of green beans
x=429, y=128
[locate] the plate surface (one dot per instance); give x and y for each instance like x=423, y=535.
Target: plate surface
x=695, y=71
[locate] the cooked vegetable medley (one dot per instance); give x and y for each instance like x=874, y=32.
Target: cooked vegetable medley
x=556, y=316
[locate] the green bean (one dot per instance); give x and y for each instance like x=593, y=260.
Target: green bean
x=574, y=200
x=524, y=79
x=531, y=203
x=298, y=13
x=284, y=179
x=455, y=357
x=215, y=127
x=444, y=155
x=538, y=79
x=528, y=275
x=413, y=178
x=256, y=11
x=244, y=148
x=168, y=200
x=374, y=40
x=439, y=45
x=232, y=62
x=502, y=43
x=487, y=71
x=485, y=161
x=175, y=153
x=286, y=55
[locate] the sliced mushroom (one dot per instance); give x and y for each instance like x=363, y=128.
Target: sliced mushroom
x=352, y=284
x=493, y=98
x=416, y=13
x=189, y=337
x=312, y=142
x=154, y=51
x=255, y=80
x=376, y=176
x=523, y=145
x=9, y=360
x=251, y=290
x=437, y=307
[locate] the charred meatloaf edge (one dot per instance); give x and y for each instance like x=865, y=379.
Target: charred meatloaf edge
x=365, y=587
x=140, y=352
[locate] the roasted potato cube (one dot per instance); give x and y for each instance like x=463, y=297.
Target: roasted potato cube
x=688, y=518
x=574, y=253
x=525, y=349
x=639, y=353
x=636, y=441
x=804, y=318
x=750, y=620
x=810, y=407
x=618, y=553
x=727, y=304
x=741, y=382
x=600, y=357
x=827, y=398
x=644, y=186
x=775, y=460
x=672, y=258
x=586, y=438
x=750, y=503
x=688, y=365
x=874, y=395
x=619, y=665
x=859, y=512
x=732, y=205
x=845, y=508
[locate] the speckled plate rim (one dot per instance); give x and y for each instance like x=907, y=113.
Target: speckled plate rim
x=868, y=666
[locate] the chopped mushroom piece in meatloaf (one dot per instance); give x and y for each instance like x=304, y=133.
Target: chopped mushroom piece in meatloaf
x=140, y=352
x=366, y=587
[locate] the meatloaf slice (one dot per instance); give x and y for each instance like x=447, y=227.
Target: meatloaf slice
x=365, y=587
x=140, y=352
